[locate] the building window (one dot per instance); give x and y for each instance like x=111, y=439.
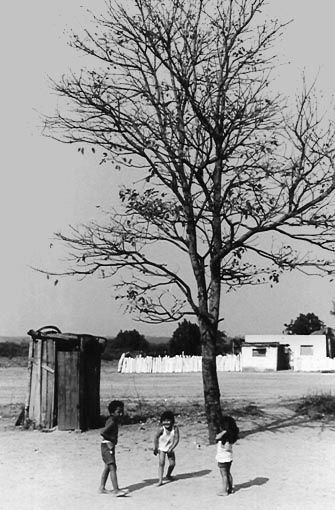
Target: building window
x=259, y=351
x=306, y=350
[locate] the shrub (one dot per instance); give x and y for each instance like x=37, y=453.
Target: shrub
x=249, y=410
x=317, y=405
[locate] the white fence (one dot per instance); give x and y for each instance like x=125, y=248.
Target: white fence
x=167, y=364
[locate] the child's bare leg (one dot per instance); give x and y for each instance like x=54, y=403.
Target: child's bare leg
x=225, y=482
x=172, y=463
x=104, y=478
x=161, y=464
x=113, y=477
x=230, y=482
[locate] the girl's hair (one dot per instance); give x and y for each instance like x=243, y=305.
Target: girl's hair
x=114, y=404
x=167, y=415
x=229, y=424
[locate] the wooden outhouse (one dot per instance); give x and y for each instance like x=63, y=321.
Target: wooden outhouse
x=63, y=380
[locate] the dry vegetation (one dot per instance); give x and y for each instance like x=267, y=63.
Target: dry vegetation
x=263, y=398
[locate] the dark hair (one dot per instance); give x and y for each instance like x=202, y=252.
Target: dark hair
x=229, y=424
x=167, y=415
x=114, y=404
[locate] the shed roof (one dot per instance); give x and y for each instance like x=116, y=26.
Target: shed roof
x=53, y=333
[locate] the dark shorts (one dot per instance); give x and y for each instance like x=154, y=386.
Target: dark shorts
x=108, y=455
x=225, y=465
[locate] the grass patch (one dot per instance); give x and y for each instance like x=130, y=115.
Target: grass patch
x=143, y=411
x=317, y=406
x=249, y=410
x=16, y=361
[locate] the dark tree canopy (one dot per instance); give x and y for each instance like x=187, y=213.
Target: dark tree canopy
x=228, y=345
x=185, y=339
x=131, y=340
x=304, y=324
x=227, y=181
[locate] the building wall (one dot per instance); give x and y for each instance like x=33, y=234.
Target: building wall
x=267, y=362
x=318, y=343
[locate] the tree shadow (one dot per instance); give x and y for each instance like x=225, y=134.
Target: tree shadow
x=152, y=481
x=277, y=424
x=259, y=480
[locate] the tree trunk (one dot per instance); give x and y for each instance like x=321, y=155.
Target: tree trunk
x=210, y=380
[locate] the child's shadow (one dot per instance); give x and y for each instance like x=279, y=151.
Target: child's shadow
x=152, y=481
x=260, y=480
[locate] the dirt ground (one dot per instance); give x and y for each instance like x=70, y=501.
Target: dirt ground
x=282, y=461
x=287, y=467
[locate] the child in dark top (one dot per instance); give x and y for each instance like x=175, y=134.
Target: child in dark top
x=165, y=441
x=109, y=436
x=225, y=439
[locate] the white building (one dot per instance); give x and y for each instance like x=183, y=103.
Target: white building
x=280, y=352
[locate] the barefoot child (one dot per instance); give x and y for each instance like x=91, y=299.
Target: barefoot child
x=224, y=454
x=109, y=436
x=166, y=439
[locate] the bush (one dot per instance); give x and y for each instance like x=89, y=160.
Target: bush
x=249, y=410
x=14, y=350
x=317, y=405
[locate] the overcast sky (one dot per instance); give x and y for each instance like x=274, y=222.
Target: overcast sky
x=46, y=185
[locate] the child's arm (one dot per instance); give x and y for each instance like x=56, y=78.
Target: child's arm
x=175, y=439
x=108, y=432
x=220, y=435
x=156, y=439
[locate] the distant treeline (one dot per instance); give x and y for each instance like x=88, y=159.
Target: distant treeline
x=13, y=349
x=114, y=349
x=184, y=340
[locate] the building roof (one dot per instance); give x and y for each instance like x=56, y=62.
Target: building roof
x=261, y=344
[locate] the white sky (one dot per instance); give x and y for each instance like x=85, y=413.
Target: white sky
x=46, y=185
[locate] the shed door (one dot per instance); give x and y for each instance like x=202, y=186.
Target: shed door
x=40, y=399
x=68, y=390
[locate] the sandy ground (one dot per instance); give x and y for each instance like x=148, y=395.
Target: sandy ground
x=280, y=462
x=288, y=465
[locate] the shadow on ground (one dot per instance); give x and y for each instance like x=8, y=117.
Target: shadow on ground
x=260, y=480
x=275, y=425
x=152, y=481
x=271, y=423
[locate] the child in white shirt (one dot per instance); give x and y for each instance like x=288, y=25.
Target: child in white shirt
x=224, y=453
x=165, y=441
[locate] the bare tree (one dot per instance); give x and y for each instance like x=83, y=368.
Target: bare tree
x=228, y=185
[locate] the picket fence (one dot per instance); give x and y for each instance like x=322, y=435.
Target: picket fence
x=167, y=364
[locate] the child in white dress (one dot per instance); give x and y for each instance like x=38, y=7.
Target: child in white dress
x=165, y=441
x=224, y=453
